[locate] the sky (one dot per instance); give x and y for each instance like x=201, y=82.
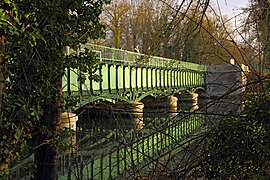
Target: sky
x=231, y=7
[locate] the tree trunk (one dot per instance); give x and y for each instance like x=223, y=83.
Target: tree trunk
x=2, y=79
x=46, y=154
x=4, y=163
x=117, y=38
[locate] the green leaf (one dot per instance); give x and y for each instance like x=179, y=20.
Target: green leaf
x=17, y=134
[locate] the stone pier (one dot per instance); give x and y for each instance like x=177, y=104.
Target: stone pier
x=68, y=125
x=165, y=105
x=188, y=101
x=130, y=114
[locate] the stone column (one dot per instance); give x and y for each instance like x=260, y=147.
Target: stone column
x=68, y=124
x=161, y=105
x=130, y=111
x=195, y=98
x=172, y=105
x=188, y=101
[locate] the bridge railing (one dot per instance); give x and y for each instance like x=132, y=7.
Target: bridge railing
x=133, y=151
x=130, y=152
x=23, y=169
x=107, y=54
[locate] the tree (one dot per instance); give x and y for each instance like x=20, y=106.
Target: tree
x=236, y=146
x=115, y=15
x=138, y=23
x=257, y=28
x=178, y=31
x=33, y=62
x=206, y=40
x=8, y=29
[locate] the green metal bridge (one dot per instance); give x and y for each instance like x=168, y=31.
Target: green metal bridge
x=130, y=76
x=112, y=149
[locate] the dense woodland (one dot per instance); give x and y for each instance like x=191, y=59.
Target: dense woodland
x=33, y=37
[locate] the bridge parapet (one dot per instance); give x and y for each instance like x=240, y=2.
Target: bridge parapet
x=113, y=55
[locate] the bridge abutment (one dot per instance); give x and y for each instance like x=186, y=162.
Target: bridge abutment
x=225, y=84
x=224, y=80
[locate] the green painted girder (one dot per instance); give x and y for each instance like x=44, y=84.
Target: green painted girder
x=124, y=80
